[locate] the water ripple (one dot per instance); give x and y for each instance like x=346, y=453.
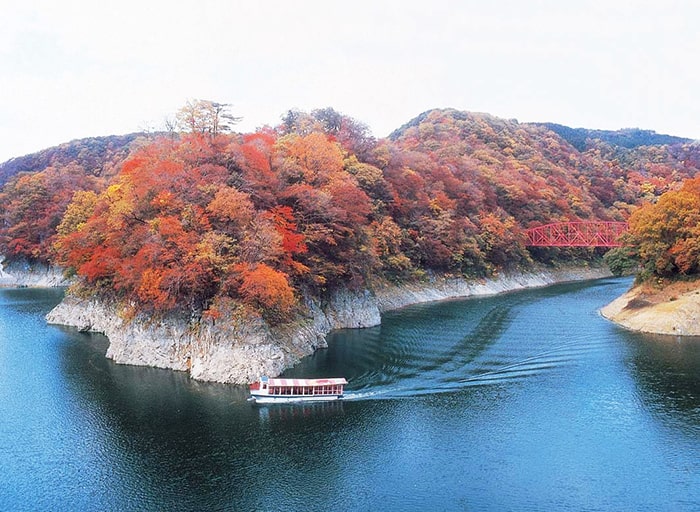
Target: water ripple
x=470, y=343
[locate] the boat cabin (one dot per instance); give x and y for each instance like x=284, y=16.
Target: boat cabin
x=288, y=390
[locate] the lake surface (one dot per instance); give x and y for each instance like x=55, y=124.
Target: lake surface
x=524, y=401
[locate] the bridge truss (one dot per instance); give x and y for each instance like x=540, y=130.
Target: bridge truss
x=577, y=234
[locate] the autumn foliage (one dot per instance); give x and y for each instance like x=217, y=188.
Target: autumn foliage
x=188, y=220
x=183, y=222
x=666, y=234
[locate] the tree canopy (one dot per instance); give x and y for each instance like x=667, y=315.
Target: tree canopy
x=266, y=218
x=666, y=234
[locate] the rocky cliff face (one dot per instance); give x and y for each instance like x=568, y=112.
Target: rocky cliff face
x=441, y=288
x=30, y=274
x=240, y=349
x=223, y=351
x=5, y=278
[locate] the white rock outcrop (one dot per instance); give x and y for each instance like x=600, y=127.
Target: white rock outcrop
x=5, y=278
x=442, y=288
x=30, y=274
x=240, y=350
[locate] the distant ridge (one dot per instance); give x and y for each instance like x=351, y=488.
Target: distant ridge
x=90, y=153
x=457, y=115
x=627, y=137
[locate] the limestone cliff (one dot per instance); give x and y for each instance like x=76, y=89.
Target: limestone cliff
x=240, y=348
x=30, y=274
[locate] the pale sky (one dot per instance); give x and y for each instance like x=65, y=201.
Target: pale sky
x=71, y=69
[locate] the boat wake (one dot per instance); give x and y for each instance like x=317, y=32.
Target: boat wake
x=480, y=372
x=455, y=345
x=486, y=345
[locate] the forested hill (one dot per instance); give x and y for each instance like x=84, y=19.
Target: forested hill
x=205, y=218
x=537, y=175
x=584, y=138
x=95, y=155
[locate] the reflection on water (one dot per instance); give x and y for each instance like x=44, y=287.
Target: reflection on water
x=526, y=401
x=667, y=371
x=287, y=412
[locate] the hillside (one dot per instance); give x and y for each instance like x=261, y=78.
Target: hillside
x=35, y=189
x=232, y=255
x=630, y=138
x=95, y=155
x=205, y=221
x=539, y=174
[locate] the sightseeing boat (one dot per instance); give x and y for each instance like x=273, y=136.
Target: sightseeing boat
x=268, y=391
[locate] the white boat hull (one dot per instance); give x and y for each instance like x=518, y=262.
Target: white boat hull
x=289, y=399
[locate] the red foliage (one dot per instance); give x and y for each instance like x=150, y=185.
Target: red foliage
x=292, y=241
x=190, y=221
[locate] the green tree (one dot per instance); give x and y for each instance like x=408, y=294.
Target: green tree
x=622, y=261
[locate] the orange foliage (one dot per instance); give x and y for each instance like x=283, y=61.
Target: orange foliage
x=232, y=208
x=267, y=289
x=32, y=207
x=317, y=203
x=667, y=233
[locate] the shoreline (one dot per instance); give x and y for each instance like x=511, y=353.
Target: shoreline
x=673, y=310
x=238, y=349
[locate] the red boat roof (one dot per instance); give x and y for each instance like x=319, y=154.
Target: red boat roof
x=306, y=382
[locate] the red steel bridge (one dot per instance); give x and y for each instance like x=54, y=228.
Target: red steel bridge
x=577, y=234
